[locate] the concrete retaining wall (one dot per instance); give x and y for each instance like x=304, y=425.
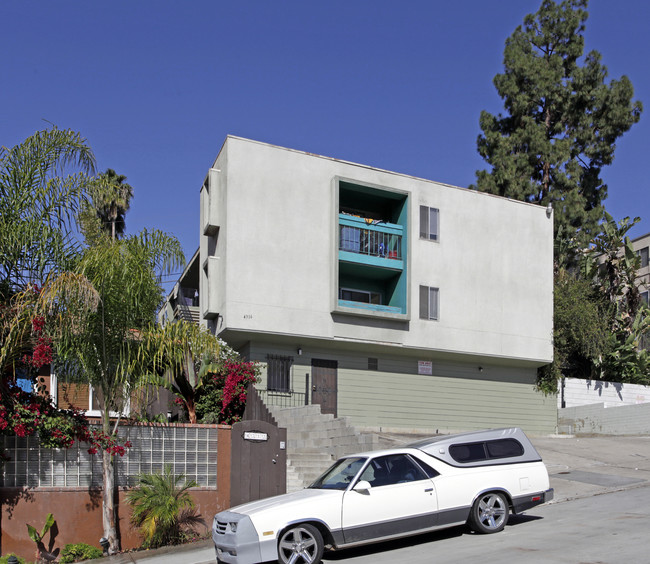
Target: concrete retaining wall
x=610, y=394
x=599, y=420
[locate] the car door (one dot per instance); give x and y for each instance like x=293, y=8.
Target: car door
x=401, y=499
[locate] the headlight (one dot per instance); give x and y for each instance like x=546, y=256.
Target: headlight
x=233, y=527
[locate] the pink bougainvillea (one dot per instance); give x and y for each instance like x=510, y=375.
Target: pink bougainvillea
x=237, y=377
x=26, y=414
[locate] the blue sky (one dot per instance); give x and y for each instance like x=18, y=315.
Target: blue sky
x=156, y=86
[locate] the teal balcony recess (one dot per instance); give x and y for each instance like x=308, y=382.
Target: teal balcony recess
x=370, y=242
x=370, y=307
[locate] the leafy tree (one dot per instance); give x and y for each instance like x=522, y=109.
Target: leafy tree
x=100, y=346
x=562, y=120
x=111, y=197
x=612, y=264
x=580, y=330
x=162, y=507
x=43, y=182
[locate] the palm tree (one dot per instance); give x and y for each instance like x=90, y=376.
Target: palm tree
x=102, y=345
x=111, y=198
x=43, y=182
x=162, y=507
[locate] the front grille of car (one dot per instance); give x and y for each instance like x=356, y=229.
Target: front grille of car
x=221, y=527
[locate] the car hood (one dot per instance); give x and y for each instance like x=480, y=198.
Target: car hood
x=290, y=501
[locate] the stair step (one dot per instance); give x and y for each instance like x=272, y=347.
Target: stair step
x=314, y=440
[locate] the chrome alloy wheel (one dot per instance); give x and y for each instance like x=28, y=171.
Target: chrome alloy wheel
x=492, y=511
x=302, y=544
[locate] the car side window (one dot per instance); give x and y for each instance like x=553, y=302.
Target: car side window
x=430, y=472
x=392, y=469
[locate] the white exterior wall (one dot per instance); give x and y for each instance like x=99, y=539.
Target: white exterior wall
x=278, y=219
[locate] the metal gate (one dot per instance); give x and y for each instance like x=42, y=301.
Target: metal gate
x=258, y=461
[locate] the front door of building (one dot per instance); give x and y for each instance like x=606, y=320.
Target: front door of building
x=324, y=376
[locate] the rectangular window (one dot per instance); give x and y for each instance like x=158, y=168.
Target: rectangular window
x=278, y=373
x=429, y=302
x=373, y=364
x=362, y=296
x=644, y=297
x=429, y=220
x=643, y=253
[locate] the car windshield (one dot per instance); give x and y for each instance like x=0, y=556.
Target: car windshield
x=339, y=475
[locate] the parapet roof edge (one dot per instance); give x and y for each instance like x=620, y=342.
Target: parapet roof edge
x=351, y=163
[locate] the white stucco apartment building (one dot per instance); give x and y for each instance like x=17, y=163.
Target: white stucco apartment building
x=398, y=302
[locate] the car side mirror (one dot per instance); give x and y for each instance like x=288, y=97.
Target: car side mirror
x=362, y=486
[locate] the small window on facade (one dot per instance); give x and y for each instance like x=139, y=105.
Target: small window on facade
x=278, y=373
x=373, y=364
x=429, y=219
x=504, y=448
x=429, y=303
x=470, y=452
x=213, y=238
x=644, y=297
x=643, y=253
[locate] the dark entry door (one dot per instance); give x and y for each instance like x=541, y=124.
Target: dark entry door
x=324, y=375
x=258, y=461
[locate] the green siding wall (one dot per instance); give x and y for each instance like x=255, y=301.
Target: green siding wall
x=457, y=397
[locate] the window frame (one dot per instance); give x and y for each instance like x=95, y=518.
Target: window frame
x=279, y=376
x=425, y=295
x=390, y=460
x=426, y=231
x=474, y=448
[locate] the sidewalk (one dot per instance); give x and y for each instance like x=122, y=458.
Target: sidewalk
x=193, y=553
x=588, y=466
x=578, y=467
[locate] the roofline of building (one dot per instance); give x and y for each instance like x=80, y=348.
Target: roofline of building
x=368, y=167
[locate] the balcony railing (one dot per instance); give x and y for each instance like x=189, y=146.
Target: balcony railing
x=381, y=240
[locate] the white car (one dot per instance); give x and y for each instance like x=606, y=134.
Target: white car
x=476, y=478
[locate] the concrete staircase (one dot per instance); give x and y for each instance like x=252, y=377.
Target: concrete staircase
x=314, y=440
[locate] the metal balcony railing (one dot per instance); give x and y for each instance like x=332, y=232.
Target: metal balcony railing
x=374, y=242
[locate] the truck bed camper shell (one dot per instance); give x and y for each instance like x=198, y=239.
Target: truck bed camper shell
x=481, y=448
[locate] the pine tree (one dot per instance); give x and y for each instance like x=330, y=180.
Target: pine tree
x=562, y=120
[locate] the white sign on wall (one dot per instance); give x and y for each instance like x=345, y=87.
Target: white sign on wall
x=425, y=367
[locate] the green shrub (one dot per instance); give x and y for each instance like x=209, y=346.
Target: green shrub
x=163, y=508
x=78, y=552
x=3, y=559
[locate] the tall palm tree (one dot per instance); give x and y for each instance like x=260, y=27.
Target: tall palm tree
x=101, y=344
x=111, y=197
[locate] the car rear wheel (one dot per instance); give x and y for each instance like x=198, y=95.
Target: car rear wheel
x=489, y=513
x=301, y=544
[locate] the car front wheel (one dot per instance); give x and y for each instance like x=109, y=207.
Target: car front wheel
x=489, y=513
x=301, y=544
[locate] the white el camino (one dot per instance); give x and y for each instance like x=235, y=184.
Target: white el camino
x=476, y=478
